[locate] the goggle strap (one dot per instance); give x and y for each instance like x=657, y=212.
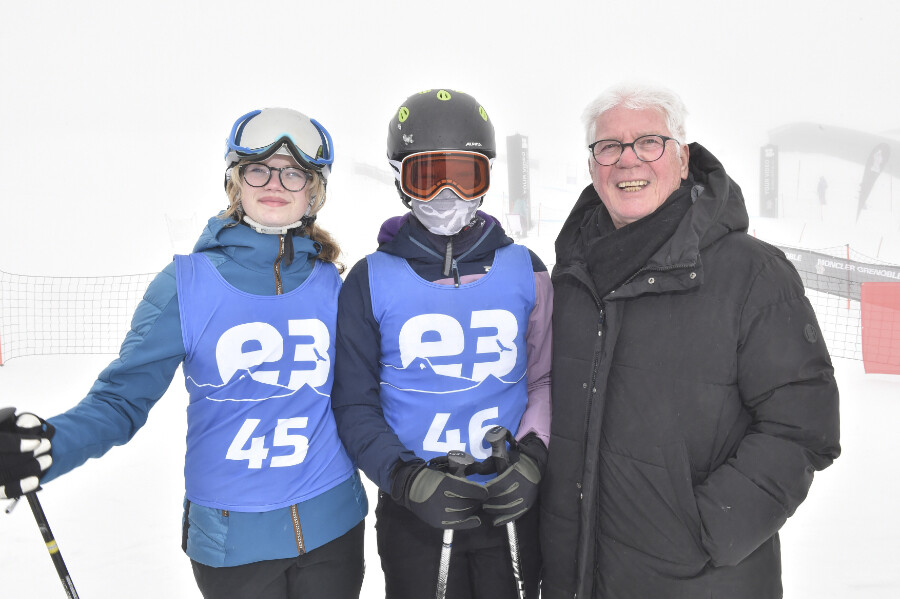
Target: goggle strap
x=395, y=166
x=328, y=154
x=238, y=129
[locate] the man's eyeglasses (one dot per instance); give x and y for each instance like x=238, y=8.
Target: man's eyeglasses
x=292, y=178
x=648, y=148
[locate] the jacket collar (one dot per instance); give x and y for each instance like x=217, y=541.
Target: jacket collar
x=403, y=237
x=718, y=209
x=252, y=250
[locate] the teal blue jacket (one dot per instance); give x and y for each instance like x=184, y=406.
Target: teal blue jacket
x=120, y=400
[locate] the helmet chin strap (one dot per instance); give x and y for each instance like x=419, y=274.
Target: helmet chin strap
x=304, y=222
x=280, y=230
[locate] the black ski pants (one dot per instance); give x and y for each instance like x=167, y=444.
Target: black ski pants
x=480, y=565
x=334, y=570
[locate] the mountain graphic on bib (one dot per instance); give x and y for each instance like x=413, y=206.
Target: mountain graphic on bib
x=421, y=376
x=242, y=386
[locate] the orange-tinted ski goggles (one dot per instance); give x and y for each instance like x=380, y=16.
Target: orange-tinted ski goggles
x=424, y=175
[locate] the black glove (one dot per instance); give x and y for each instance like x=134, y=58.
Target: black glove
x=515, y=490
x=439, y=499
x=24, y=452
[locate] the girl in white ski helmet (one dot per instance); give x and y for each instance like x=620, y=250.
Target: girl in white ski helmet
x=273, y=505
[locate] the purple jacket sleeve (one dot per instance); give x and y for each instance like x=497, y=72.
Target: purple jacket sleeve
x=539, y=339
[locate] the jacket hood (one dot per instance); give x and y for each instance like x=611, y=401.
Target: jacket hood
x=250, y=249
x=718, y=208
x=399, y=236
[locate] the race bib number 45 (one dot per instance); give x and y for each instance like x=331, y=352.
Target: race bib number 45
x=253, y=449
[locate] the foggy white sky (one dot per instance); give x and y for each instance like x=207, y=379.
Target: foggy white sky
x=114, y=114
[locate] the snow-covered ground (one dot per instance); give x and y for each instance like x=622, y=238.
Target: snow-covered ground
x=117, y=520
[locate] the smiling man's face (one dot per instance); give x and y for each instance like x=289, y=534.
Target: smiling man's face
x=631, y=189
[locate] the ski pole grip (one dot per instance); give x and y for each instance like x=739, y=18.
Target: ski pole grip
x=457, y=462
x=496, y=437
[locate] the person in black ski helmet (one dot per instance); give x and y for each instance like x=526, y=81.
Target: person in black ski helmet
x=444, y=333
x=274, y=507
x=440, y=121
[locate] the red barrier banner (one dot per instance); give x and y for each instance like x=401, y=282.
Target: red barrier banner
x=880, y=311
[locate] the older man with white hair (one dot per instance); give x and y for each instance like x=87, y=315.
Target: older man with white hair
x=693, y=395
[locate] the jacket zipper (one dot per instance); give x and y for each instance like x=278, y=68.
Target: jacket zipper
x=453, y=262
x=594, y=367
x=279, y=288
x=298, y=532
x=591, y=390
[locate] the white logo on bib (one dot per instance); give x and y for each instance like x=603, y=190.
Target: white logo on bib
x=479, y=354
x=266, y=345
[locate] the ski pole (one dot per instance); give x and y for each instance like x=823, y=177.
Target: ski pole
x=496, y=437
x=52, y=547
x=457, y=462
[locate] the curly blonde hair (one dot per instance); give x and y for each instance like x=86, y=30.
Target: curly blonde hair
x=330, y=250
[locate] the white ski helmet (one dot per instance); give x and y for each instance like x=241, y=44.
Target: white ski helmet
x=261, y=133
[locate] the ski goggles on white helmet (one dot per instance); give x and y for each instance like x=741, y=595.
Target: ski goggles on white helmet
x=424, y=174
x=260, y=134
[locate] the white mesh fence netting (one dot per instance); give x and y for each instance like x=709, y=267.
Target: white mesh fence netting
x=66, y=315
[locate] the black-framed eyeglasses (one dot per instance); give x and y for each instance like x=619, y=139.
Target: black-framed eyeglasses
x=647, y=148
x=292, y=178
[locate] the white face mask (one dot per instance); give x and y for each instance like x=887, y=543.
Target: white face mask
x=446, y=213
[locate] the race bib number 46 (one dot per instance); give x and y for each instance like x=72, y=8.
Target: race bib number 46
x=441, y=440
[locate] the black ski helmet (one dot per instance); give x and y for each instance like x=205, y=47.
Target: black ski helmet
x=440, y=119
